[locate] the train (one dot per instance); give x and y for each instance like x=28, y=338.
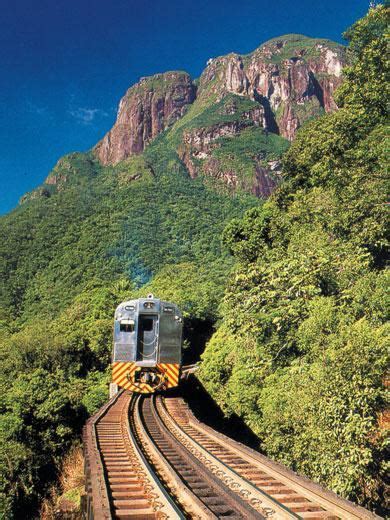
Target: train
x=147, y=350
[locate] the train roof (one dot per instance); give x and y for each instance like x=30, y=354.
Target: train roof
x=141, y=301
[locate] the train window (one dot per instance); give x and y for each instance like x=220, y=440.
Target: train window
x=147, y=324
x=126, y=327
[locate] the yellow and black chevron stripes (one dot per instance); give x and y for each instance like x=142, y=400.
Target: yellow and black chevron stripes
x=123, y=376
x=122, y=373
x=171, y=372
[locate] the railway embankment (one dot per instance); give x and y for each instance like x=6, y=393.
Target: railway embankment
x=149, y=456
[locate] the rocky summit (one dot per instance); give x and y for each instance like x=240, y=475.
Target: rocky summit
x=235, y=122
x=147, y=109
x=292, y=77
x=231, y=126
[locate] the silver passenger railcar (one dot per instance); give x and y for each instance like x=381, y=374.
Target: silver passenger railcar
x=147, y=345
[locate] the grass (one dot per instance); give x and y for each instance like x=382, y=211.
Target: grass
x=158, y=82
x=67, y=498
x=239, y=153
x=294, y=44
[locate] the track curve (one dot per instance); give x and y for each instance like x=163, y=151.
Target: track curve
x=148, y=457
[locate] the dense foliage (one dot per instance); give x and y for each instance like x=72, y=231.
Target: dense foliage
x=301, y=351
x=85, y=241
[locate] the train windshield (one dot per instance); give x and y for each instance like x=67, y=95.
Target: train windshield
x=126, y=326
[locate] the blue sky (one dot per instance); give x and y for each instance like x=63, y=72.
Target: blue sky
x=65, y=64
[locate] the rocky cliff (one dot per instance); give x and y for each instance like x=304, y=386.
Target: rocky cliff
x=293, y=77
x=232, y=126
x=147, y=108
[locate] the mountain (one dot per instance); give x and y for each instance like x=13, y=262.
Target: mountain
x=289, y=80
x=285, y=296
x=233, y=124
x=148, y=108
x=254, y=98
x=143, y=211
x=175, y=141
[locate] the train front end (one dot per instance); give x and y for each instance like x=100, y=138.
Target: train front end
x=147, y=345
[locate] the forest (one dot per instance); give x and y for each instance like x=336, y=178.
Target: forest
x=293, y=290
x=301, y=351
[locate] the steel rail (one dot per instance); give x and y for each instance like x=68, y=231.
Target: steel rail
x=96, y=504
x=120, y=483
x=256, y=497
x=134, y=415
x=220, y=500
x=189, y=502
x=149, y=457
x=208, y=439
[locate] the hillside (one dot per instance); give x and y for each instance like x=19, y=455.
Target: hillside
x=144, y=211
x=301, y=353
x=159, y=188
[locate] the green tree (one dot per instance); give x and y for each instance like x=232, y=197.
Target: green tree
x=303, y=332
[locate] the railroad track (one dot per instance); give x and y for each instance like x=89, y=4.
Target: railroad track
x=120, y=483
x=149, y=457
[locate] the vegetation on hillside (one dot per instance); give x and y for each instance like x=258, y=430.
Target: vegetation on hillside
x=310, y=46
x=98, y=236
x=301, y=352
x=300, y=348
x=239, y=152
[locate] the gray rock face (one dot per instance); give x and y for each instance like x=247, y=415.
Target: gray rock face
x=293, y=78
x=147, y=108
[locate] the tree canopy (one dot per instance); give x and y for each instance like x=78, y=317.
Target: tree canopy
x=301, y=351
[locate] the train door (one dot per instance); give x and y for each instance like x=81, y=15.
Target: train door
x=147, y=337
